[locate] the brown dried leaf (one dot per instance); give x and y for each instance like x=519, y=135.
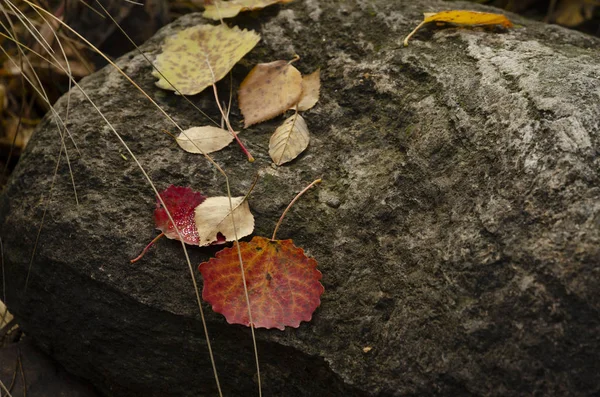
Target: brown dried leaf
x=289, y=140
x=311, y=85
x=268, y=91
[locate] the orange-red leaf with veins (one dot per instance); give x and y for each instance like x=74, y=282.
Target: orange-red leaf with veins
x=283, y=284
x=181, y=202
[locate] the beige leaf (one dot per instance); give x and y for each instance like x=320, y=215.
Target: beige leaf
x=289, y=140
x=311, y=85
x=228, y=9
x=268, y=91
x=185, y=56
x=206, y=139
x=213, y=216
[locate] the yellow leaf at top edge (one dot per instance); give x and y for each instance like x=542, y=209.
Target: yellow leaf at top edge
x=229, y=9
x=461, y=17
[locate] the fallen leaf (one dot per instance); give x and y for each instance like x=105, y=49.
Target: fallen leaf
x=206, y=139
x=574, y=12
x=283, y=284
x=289, y=140
x=228, y=9
x=311, y=85
x=181, y=202
x=184, y=57
x=213, y=218
x=460, y=17
x=268, y=91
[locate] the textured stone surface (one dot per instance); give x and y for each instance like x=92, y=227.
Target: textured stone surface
x=457, y=228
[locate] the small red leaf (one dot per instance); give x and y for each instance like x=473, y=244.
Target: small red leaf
x=181, y=202
x=283, y=284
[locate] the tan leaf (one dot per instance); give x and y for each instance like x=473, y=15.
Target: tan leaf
x=268, y=91
x=185, y=56
x=289, y=140
x=311, y=85
x=228, y=9
x=213, y=216
x=206, y=139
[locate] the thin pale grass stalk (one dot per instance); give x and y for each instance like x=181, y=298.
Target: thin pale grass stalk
x=170, y=219
x=313, y=183
x=71, y=43
x=226, y=118
x=152, y=64
x=40, y=91
x=63, y=147
x=5, y=389
x=239, y=250
x=3, y=275
x=231, y=131
x=148, y=178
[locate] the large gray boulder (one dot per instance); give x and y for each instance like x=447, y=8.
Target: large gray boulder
x=457, y=227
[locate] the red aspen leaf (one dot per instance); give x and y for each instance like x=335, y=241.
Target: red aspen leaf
x=461, y=17
x=181, y=202
x=268, y=91
x=311, y=85
x=283, y=284
x=218, y=9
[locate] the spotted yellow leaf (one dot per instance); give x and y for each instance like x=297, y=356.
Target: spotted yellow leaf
x=461, y=17
x=228, y=9
x=199, y=56
x=268, y=91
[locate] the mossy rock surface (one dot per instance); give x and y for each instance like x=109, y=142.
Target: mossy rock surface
x=457, y=226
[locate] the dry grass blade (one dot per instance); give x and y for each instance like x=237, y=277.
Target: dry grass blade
x=154, y=188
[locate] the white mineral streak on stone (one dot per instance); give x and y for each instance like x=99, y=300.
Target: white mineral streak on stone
x=536, y=70
x=315, y=11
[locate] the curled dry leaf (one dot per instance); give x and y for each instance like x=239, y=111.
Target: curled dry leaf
x=289, y=140
x=228, y=9
x=181, y=202
x=268, y=91
x=461, y=17
x=214, y=219
x=184, y=57
x=311, y=85
x=206, y=139
x=283, y=284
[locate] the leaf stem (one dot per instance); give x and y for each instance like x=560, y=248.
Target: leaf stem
x=147, y=248
x=413, y=32
x=226, y=117
x=313, y=183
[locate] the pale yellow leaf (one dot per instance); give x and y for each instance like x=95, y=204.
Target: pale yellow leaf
x=311, y=85
x=186, y=56
x=213, y=216
x=228, y=9
x=289, y=140
x=268, y=91
x=206, y=139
